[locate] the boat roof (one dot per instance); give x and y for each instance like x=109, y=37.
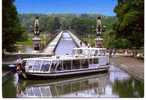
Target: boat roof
x=67, y=57
x=89, y=48
x=61, y=57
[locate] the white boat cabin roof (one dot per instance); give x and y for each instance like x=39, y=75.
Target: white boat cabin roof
x=63, y=57
x=90, y=48
x=89, y=53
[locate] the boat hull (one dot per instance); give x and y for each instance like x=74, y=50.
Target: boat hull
x=64, y=74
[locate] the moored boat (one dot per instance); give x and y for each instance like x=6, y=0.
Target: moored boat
x=83, y=61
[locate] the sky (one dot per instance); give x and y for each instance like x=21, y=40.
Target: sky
x=104, y=7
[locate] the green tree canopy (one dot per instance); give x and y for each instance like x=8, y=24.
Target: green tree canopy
x=130, y=23
x=11, y=28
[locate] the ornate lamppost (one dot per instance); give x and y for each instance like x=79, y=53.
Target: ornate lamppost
x=36, y=39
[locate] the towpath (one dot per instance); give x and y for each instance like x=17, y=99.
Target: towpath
x=133, y=66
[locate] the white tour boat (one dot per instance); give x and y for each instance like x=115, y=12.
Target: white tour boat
x=82, y=61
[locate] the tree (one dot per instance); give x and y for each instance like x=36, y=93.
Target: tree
x=11, y=28
x=130, y=24
x=111, y=41
x=56, y=24
x=83, y=25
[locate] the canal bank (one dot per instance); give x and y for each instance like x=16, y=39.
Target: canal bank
x=53, y=44
x=6, y=75
x=76, y=39
x=134, y=66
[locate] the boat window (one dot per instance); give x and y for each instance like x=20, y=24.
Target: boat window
x=96, y=53
x=67, y=65
x=59, y=67
x=76, y=64
x=37, y=65
x=90, y=61
x=30, y=63
x=84, y=63
x=80, y=51
x=54, y=65
x=45, y=66
x=95, y=60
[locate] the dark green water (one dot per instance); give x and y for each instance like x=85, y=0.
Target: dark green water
x=115, y=84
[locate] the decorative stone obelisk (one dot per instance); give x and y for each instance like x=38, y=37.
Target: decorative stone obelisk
x=99, y=39
x=36, y=39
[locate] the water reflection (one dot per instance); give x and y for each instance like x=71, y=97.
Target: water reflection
x=91, y=86
x=116, y=83
x=124, y=85
x=117, y=74
x=129, y=88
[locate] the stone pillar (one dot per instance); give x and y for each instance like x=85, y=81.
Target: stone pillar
x=36, y=43
x=99, y=39
x=36, y=39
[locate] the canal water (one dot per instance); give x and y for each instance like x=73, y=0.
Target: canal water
x=114, y=84
x=66, y=45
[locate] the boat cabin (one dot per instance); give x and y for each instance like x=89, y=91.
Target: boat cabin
x=82, y=60
x=89, y=51
x=58, y=64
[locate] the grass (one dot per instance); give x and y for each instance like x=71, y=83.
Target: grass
x=45, y=39
x=29, y=41
x=25, y=42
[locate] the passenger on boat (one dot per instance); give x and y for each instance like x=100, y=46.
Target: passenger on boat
x=18, y=67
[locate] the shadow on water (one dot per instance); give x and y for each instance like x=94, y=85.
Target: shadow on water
x=115, y=84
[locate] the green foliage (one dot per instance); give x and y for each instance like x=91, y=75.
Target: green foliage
x=111, y=41
x=26, y=42
x=12, y=30
x=130, y=24
x=56, y=24
x=82, y=23
x=90, y=38
x=83, y=26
